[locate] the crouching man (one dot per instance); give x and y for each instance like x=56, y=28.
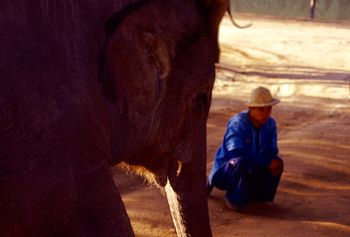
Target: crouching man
x=247, y=165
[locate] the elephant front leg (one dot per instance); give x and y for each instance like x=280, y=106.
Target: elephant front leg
x=100, y=209
x=186, y=194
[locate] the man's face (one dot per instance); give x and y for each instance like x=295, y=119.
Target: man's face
x=259, y=115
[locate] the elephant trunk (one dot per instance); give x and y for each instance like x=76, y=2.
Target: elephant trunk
x=186, y=186
x=186, y=194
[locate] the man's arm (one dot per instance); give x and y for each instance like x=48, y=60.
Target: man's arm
x=234, y=141
x=276, y=164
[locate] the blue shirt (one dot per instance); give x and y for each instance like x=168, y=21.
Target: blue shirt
x=257, y=146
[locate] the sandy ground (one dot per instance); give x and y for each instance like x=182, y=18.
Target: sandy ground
x=307, y=65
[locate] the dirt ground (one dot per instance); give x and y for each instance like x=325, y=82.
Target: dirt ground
x=307, y=65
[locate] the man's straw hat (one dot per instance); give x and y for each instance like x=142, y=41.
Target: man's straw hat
x=261, y=97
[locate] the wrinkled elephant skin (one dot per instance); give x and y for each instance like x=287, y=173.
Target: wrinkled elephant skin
x=89, y=84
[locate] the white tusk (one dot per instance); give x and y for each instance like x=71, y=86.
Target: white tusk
x=179, y=168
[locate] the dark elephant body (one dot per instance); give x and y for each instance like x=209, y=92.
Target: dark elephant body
x=69, y=112
x=55, y=149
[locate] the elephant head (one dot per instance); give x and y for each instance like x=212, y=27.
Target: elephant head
x=158, y=74
x=59, y=133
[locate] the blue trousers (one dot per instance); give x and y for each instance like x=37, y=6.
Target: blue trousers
x=243, y=184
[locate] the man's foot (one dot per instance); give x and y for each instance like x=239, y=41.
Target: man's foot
x=233, y=206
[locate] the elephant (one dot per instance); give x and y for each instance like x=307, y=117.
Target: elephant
x=87, y=85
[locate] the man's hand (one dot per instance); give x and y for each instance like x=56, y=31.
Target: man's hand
x=276, y=167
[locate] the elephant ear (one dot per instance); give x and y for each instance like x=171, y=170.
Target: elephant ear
x=135, y=59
